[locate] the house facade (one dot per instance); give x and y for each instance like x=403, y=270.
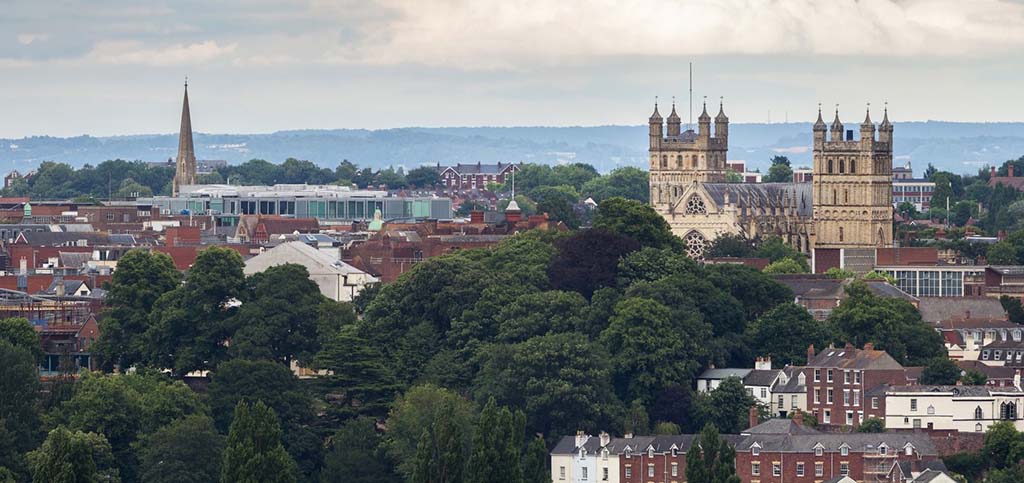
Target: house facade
x=838, y=380
x=955, y=408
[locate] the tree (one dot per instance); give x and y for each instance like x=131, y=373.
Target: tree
x=369, y=464
x=497, y=442
x=439, y=456
x=19, y=392
x=637, y=221
x=643, y=341
x=891, y=324
x=254, y=453
x=651, y=264
x=973, y=377
x=1002, y=253
x=1012, y=474
x=786, y=265
x=780, y=171
x=19, y=332
x=557, y=202
x=357, y=379
x=574, y=174
x=729, y=245
x=940, y=371
x=784, y=333
x=636, y=420
x=711, y=459
x=73, y=457
x=588, y=260
x=412, y=416
x=189, y=325
x=1001, y=439
x=540, y=313
x=187, y=450
x=667, y=428
x=141, y=278
x=727, y=406
x=628, y=182
x=839, y=273
x=871, y=425
x=423, y=177
x=535, y=462
x=278, y=316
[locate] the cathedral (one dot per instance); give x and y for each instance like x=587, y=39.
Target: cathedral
x=847, y=206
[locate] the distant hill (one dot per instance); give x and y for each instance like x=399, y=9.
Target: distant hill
x=958, y=147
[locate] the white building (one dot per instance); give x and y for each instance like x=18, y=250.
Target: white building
x=959, y=408
x=337, y=280
x=585, y=459
x=758, y=381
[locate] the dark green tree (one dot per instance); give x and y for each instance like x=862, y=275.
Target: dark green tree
x=940, y=371
x=440, y=453
x=414, y=414
x=254, y=453
x=973, y=378
x=19, y=332
x=190, y=324
x=784, y=333
x=73, y=457
x=540, y=313
x=141, y=278
x=727, y=406
x=369, y=464
x=637, y=221
x=588, y=260
x=19, y=392
x=535, y=462
x=358, y=380
x=1001, y=441
x=652, y=264
x=711, y=459
x=482, y=464
x=574, y=174
x=871, y=425
x=11, y=458
x=1002, y=253
x=423, y=177
x=278, y=317
x=187, y=450
x=628, y=182
x=557, y=202
x=636, y=421
x=1014, y=309
x=780, y=171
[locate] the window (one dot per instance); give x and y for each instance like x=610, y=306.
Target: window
x=846, y=377
x=675, y=452
x=110, y=216
x=650, y=471
x=917, y=424
x=840, y=233
x=583, y=474
x=629, y=472
x=1008, y=411
x=978, y=414
x=908, y=450
x=856, y=397
x=819, y=469
x=846, y=397
x=853, y=166
x=755, y=450
x=842, y=166
x=828, y=376
x=828, y=395
x=818, y=451
x=849, y=418
x=828, y=417
x=776, y=469
x=800, y=469
x=844, y=468
x=977, y=427
x=561, y=472
x=883, y=450
x=817, y=396
x=844, y=450
x=755, y=468
x=913, y=404
x=931, y=409
x=817, y=375
x=874, y=403
x=782, y=401
x=675, y=469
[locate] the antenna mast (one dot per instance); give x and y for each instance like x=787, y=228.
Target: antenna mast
x=690, y=125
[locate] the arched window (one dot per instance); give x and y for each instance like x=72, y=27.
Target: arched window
x=835, y=198
x=693, y=160
x=977, y=427
x=842, y=166
x=679, y=161
x=846, y=196
x=830, y=166
x=695, y=206
x=650, y=452
x=978, y=414
x=664, y=161
x=853, y=166
x=695, y=245
x=840, y=233
x=1008, y=411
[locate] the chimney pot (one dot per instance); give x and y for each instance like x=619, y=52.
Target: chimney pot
x=868, y=346
x=1009, y=170
x=810, y=352
x=754, y=416
x=992, y=171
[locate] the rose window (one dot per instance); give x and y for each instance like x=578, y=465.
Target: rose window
x=695, y=206
x=695, y=245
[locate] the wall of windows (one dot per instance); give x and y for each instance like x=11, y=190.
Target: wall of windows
x=929, y=282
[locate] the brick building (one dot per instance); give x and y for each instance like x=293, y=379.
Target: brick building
x=839, y=380
x=474, y=176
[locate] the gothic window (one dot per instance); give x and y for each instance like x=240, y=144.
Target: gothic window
x=977, y=413
x=664, y=161
x=679, y=161
x=695, y=206
x=835, y=198
x=1008, y=411
x=853, y=166
x=695, y=245
x=830, y=166
x=846, y=196
x=693, y=160
x=840, y=233
x=842, y=166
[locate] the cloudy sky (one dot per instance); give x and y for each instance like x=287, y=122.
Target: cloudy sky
x=104, y=67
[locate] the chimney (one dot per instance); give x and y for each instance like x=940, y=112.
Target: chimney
x=848, y=346
x=763, y=363
x=810, y=353
x=992, y=172
x=798, y=417
x=60, y=286
x=605, y=439
x=1009, y=170
x=476, y=217
x=967, y=314
x=581, y=438
x=755, y=418
x=869, y=346
x=628, y=436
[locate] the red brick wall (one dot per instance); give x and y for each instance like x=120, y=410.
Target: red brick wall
x=870, y=379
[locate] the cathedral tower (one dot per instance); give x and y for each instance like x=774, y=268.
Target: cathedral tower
x=185, y=170
x=681, y=158
x=852, y=185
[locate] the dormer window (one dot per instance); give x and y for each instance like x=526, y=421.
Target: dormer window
x=755, y=450
x=819, y=450
x=908, y=450
x=883, y=450
x=629, y=453
x=844, y=450
x=675, y=452
x=650, y=452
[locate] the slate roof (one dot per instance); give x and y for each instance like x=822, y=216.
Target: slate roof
x=964, y=391
x=792, y=384
x=478, y=168
x=1005, y=344
x=75, y=259
x=780, y=426
x=56, y=239
x=940, y=309
x=851, y=358
x=761, y=377
x=929, y=475
x=724, y=373
x=767, y=195
x=991, y=372
x=1008, y=269
x=315, y=261
x=858, y=442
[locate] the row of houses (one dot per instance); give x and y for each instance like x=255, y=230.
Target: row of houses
x=778, y=450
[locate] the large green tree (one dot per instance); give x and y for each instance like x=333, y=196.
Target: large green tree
x=627, y=182
x=940, y=371
x=19, y=393
x=535, y=462
x=780, y=171
x=141, y=278
x=441, y=451
x=557, y=202
x=414, y=413
x=188, y=450
x=190, y=325
x=784, y=333
x=727, y=406
x=637, y=221
x=588, y=260
x=254, y=453
x=19, y=332
x=711, y=459
x=357, y=378
x=73, y=457
x=368, y=464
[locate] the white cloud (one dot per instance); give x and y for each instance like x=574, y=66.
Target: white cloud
x=132, y=52
x=28, y=39
x=499, y=33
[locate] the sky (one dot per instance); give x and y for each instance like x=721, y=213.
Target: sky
x=115, y=67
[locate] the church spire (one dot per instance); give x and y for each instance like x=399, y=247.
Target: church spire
x=185, y=170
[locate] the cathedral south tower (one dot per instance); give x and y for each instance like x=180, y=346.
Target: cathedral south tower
x=852, y=185
x=680, y=158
